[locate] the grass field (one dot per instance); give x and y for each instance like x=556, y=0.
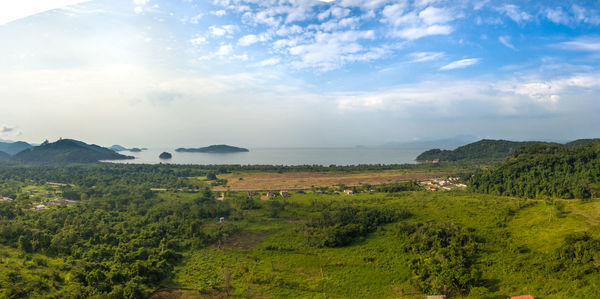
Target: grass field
x=267, y=258
x=306, y=180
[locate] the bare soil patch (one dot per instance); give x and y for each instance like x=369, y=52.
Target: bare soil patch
x=242, y=240
x=172, y=293
x=306, y=180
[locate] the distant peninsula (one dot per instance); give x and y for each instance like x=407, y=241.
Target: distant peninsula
x=67, y=151
x=220, y=148
x=119, y=148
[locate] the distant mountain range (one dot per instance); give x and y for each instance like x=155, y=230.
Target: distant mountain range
x=4, y=156
x=487, y=150
x=12, y=148
x=220, y=148
x=445, y=143
x=67, y=151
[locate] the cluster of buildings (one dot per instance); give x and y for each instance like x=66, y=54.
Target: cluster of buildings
x=56, y=202
x=5, y=199
x=451, y=183
x=282, y=193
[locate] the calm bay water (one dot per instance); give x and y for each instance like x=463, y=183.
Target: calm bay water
x=283, y=156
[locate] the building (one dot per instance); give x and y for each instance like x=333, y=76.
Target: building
x=284, y=193
x=348, y=191
x=251, y=193
x=39, y=207
x=436, y=297
x=522, y=297
x=270, y=194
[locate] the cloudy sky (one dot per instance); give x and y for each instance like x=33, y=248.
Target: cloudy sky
x=290, y=73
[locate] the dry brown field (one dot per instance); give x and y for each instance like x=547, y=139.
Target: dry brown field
x=306, y=180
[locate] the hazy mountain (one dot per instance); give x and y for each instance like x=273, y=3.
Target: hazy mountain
x=579, y=142
x=119, y=148
x=14, y=147
x=4, y=156
x=68, y=151
x=487, y=150
x=445, y=143
x=221, y=148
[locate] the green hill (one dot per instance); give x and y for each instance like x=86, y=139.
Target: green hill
x=67, y=151
x=4, y=156
x=12, y=148
x=579, y=142
x=221, y=148
x=545, y=170
x=483, y=150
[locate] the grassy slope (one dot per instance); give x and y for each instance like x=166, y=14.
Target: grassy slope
x=518, y=235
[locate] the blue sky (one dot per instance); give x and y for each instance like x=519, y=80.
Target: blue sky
x=298, y=73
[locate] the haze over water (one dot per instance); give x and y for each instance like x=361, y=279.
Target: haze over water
x=283, y=156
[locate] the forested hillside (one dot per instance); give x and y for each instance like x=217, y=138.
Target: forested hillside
x=4, y=156
x=484, y=150
x=12, y=148
x=129, y=231
x=67, y=151
x=545, y=170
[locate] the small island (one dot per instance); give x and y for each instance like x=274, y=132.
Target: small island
x=165, y=155
x=220, y=148
x=120, y=148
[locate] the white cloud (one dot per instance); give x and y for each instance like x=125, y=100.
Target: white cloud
x=591, y=44
x=432, y=15
x=141, y=2
x=557, y=15
x=224, y=50
x=425, y=56
x=250, y=39
x=366, y=5
x=419, y=32
x=459, y=64
x=222, y=30
x=268, y=62
x=138, y=9
x=416, y=24
x=219, y=13
x=331, y=50
x=196, y=19
x=505, y=40
x=514, y=12
x=198, y=40
x=25, y=8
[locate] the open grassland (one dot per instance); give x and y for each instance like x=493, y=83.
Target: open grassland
x=269, y=258
x=306, y=180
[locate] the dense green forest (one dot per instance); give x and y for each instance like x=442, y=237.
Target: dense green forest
x=484, y=150
x=135, y=230
x=544, y=171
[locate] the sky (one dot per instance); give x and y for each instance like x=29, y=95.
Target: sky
x=298, y=73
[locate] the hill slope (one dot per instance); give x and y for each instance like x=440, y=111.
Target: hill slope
x=545, y=170
x=221, y=148
x=4, y=156
x=483, y=150
x=12, y=148
x=68, y=151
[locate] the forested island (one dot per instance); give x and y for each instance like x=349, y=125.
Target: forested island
x=67, y=151
x=119, y=148
x=221, y=148
x=526, y=224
